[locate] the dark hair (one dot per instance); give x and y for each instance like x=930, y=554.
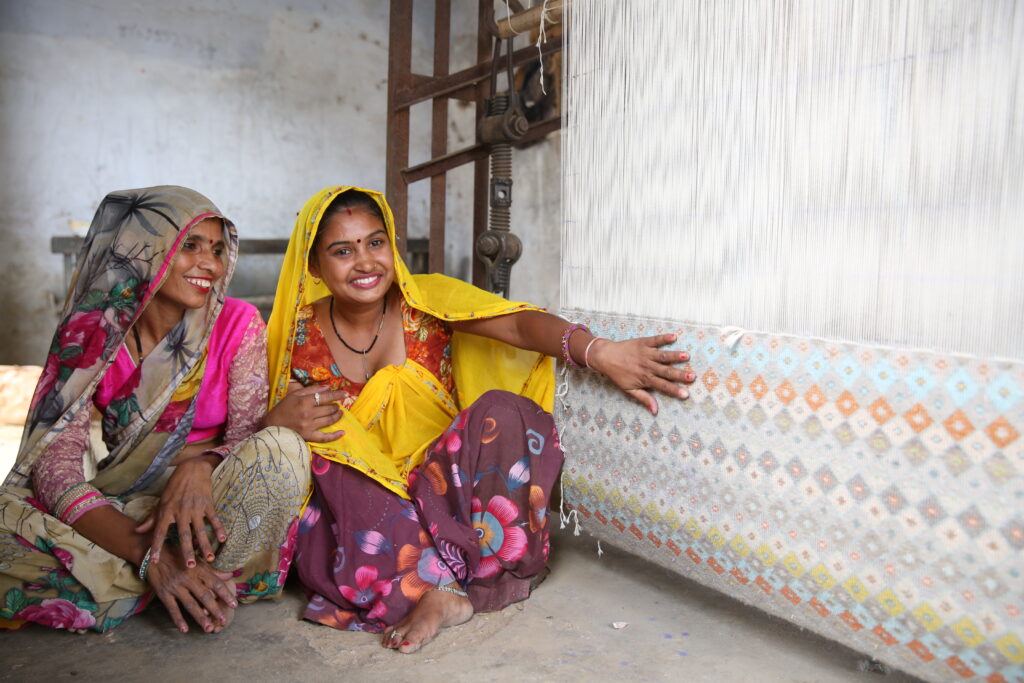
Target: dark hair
x=349, y=199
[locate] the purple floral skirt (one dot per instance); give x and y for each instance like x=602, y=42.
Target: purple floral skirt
x=478, y=515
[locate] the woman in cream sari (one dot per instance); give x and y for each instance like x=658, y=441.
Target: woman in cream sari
x=178, y=372
x=426, y=403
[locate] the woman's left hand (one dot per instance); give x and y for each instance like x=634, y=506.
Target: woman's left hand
x=187, y=502
x=637, y=365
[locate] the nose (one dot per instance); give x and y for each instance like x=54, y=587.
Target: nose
x=209, y=261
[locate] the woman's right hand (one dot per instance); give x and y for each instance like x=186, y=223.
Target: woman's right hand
x=307, y=410
x=204, y=593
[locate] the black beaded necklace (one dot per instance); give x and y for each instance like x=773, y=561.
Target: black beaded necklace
x=366, y=366
x=138, y=342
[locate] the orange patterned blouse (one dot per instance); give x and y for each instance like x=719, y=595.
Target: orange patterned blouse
x=427, y=341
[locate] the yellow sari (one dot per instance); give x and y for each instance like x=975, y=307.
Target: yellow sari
x=402, y=409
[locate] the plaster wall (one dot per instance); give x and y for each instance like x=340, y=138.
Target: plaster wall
x=256, y=104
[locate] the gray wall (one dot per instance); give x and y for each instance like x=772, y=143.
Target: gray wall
x=256, y=104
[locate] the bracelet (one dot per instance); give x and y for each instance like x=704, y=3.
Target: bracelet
x=586, y=353
x=566, y=356
x=144, y=565
x=453, y=591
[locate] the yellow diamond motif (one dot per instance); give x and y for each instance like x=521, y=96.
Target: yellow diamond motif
x=822, y=576
x=739, y=546
x=634, y=505
x=716, y=537
x=615, y=498
x=694, y=528
x=968, y=632
x=793, y=565
x=672, y=519
x=582, y=486
x=653, y=513
x=766, y=555
x=855, y=588
x=927, y=616
x=1010, y=646
x=890, y=603
x=599, y=492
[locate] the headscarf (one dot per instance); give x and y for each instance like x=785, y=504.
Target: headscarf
x=124, y=260
x=478, y=364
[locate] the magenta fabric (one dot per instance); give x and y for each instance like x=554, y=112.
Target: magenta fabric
x=212, y=406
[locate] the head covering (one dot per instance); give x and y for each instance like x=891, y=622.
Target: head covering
x=126, y=257
x=478, y=364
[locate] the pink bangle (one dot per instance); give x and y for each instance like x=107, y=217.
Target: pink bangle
x=566, y=356
x=586, y=352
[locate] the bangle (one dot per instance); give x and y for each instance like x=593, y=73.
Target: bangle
x=453, y=591
x=586, y=353
x=144, y=565
x=566, y=356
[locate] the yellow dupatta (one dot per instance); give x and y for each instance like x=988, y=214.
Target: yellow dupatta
x=402, y=409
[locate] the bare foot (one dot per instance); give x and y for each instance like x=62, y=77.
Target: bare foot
x=435, y=610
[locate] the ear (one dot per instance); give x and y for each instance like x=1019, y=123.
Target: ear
x=313, y=265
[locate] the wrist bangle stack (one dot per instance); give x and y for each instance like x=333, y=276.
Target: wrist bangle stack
x=586, y=353
x=144, y=565
x=566, y=356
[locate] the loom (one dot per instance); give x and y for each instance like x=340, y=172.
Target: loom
x=822, y=200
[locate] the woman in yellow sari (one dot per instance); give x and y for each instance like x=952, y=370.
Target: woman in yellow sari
x=433, y=477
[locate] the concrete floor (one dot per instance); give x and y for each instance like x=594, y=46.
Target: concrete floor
x=677, y=630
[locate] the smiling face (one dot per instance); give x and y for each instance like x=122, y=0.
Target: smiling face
x=353, y=257
x=197, y=266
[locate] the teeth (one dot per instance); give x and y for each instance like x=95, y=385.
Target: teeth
x=365, y=280
x=199, y=282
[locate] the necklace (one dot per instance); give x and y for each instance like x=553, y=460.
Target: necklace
x=138, y=342
x=363, y=352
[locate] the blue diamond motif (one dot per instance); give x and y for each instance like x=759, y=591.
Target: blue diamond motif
x=884, y=375
x=920, y=381
x=1004, y=392
x=737, y=353
x=961, y=387
x=787, y=361
x=711, y=351
x=816, y=364
x=848, y=370
x=758, y=356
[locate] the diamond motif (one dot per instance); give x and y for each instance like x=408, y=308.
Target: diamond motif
x=756, y=415
x=972, y=521
x=812, y=427
x=1013, y=532
x=733, y=384
x=785, y=392
x=892, y=499
x=816, y=364
x=931, y=510
x=883, y=374
x=815, y=399
x=916, y=452
x=787, y=361
x=999, y=468
x=879, y=441
x=826, y=479
x=958, y=425
x=920, y=381
x=847, y=404
x=881, y=410
x=858, y=488
x=1003, y=392
x=758, y=356
x=848, y=370
x=961, y=387
x=758, y=388
x=710, y=380
x=1002, y=432
x=918, y=418
x=956, y=461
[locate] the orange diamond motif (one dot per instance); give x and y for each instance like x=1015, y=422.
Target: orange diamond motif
x=785, y=392
x=847, y=404
x=958, y=425
x=1002, y=432
x=710, y=380
x=918, y=418
x=733, y=383
x=881, y=411
x=815, y=399
x=758, y=388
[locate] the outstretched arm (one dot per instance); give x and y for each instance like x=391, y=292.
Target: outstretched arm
x=634, y=365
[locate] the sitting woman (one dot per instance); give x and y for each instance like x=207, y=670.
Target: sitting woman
x=433, y=479
x=178, y=373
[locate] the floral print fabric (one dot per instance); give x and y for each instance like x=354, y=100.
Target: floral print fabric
x=478, y=515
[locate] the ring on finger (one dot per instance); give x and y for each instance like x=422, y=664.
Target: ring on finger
x=316, y=399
